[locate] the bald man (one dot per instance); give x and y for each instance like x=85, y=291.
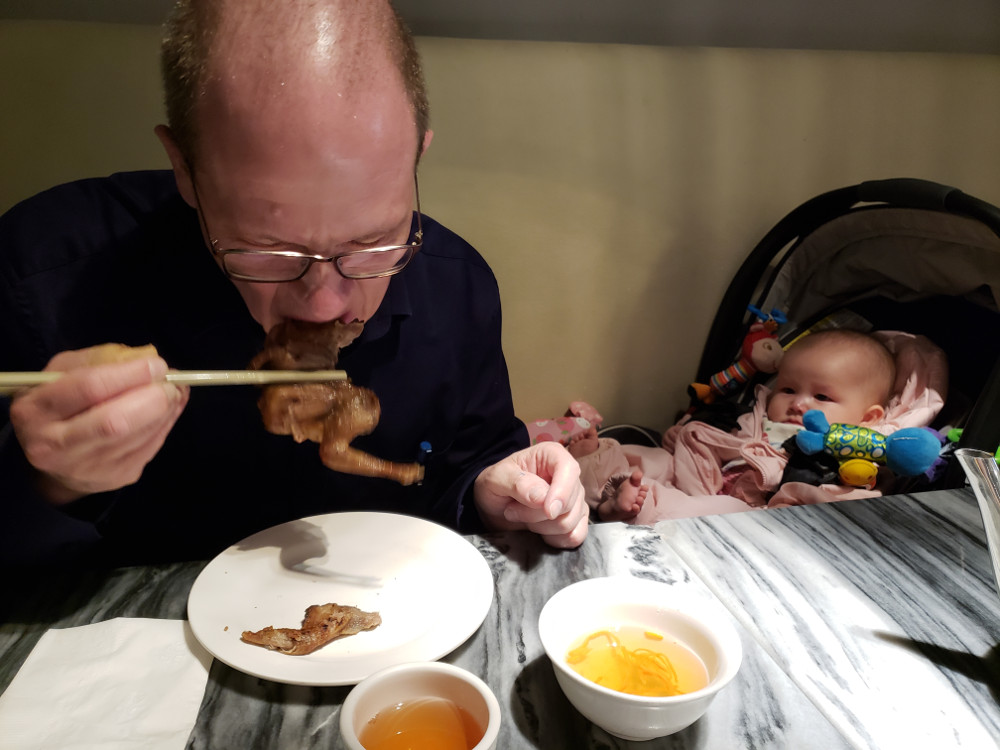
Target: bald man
x=295, y=130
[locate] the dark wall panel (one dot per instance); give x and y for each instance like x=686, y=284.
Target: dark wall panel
x=891, y=25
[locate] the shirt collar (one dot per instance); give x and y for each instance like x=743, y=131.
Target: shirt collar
x=395, y=303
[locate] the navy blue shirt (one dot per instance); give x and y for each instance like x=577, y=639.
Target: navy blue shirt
x=121, y=259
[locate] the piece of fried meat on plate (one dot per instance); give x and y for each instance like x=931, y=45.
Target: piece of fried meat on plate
x=322, y=624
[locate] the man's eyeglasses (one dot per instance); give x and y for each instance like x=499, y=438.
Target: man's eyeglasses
x=278, y=266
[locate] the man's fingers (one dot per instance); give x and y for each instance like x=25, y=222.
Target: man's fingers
x=106, y=432
x=571, y=540
x=519, y=513
x=80, y=389
x=129, y=414
x=554, y=515
x=134, y=462
x=569, y=530
x=564, y=490
x=537, y=488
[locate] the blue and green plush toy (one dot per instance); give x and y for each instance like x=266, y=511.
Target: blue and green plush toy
x=859, y=450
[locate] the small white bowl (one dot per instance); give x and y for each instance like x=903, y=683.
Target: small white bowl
x=416, y=680
x=604, y=603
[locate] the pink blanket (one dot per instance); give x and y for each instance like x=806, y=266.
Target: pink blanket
x=685, y=476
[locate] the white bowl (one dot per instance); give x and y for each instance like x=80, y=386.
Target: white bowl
x=406, y=682
x=602, y=603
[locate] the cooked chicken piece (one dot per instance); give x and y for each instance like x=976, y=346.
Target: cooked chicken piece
x=322, y=624
x=300, y=345
x=331, y=414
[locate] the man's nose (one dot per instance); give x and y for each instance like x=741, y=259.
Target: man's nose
x=322, y=293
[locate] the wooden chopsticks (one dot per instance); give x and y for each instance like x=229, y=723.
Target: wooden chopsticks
x=15, y=381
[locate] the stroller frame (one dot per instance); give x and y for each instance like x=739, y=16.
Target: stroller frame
x=731, y=322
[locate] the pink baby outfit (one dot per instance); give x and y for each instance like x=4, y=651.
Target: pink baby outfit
x=685, y=475
x=579, y=418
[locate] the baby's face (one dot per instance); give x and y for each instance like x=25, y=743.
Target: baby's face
x=829, y=382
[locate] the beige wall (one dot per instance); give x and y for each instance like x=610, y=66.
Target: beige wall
x=614, y=189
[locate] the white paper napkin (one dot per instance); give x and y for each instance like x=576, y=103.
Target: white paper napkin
x=115, y=685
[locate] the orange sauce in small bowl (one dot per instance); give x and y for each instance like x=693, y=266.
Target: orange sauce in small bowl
x=639, y=662
x=422, y=724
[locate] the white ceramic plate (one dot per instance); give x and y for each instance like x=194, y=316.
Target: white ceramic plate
x=431, y=587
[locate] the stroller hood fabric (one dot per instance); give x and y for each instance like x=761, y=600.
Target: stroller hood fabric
x=901, y=254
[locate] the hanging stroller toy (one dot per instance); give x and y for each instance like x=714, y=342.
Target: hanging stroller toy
x=760, y=352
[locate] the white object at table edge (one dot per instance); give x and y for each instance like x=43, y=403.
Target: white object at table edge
x=431, y=587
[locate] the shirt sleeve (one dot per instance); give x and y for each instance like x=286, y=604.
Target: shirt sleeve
x=473, y=396
x=489, y=430
x=34, y=532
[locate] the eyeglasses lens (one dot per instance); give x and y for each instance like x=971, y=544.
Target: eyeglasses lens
x=249, y=265
x=375, y=262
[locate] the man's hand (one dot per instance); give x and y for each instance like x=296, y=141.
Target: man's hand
x=96, y=427
x=537, y=488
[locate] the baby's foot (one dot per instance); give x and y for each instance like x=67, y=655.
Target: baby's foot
x=627, y=501
x=583, y=443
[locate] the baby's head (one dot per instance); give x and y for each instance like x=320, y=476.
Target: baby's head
x=847, y=375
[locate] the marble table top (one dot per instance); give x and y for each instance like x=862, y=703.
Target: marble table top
x=865, y=624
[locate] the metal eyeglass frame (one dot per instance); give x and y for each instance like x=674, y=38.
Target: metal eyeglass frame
x=308, y=258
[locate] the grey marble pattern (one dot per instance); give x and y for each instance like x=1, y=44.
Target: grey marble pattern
x=883, y=613
x=865, y=624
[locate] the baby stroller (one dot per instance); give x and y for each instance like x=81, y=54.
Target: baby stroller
x=903, y=254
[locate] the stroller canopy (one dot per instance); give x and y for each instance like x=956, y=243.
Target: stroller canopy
x=908, y=254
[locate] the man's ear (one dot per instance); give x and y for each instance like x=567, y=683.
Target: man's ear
x=428, y=137
x=182, y=172
x=874, y=414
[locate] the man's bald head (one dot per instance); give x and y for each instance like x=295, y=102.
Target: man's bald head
x=280, y=46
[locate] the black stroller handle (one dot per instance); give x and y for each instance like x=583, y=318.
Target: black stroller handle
x=907, y=192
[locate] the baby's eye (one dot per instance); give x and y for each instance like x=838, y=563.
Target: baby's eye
x=787, y=390
x=823, y=397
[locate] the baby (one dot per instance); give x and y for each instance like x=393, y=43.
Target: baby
x=847, y=375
